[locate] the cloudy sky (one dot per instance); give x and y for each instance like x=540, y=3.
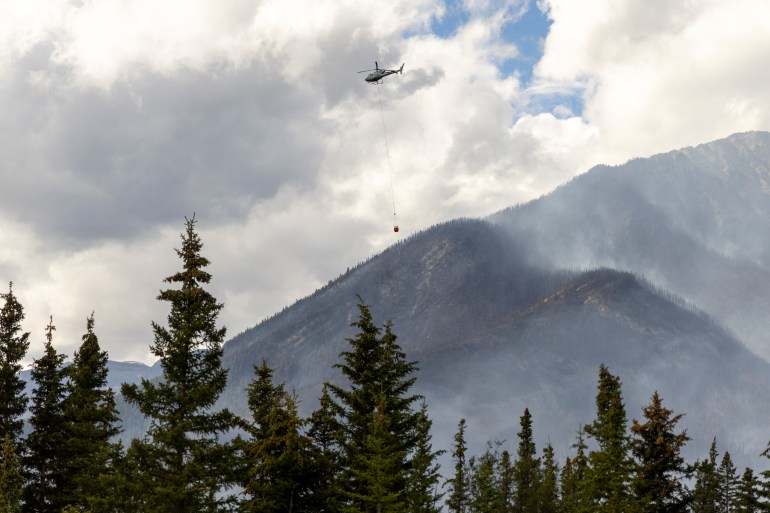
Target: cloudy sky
x=121, y=117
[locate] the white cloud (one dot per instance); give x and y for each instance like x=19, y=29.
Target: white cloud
x=663, y=75
x=125, y=116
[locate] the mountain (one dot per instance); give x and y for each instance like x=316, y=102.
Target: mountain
x=657, y=268
x=693, y=221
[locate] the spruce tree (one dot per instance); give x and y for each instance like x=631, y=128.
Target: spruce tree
x=45, y=457
x=485, y=487
x=377, y=469
x=747, y=496
x=458, y=495
x=11, y=479
x=609, y=479
x=187, y=468
x=505, y=479
x=324, y=434
x=658, y=481
x=526, y=469
x=574, y=479
x=13, y=347
x=707, y=492
x=377, y=396
x=424, y=475
x=728, y=483
x=279, y=470
x=91, y=421
x=548, y=492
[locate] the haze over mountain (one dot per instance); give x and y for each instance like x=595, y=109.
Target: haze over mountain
x=520, y=309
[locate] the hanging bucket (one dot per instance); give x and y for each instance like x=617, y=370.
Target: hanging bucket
x=395, y=228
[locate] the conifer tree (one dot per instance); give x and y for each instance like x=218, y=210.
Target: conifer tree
x=378, y=396
x=506, y=480
x=45, y=457
x=377, y=469
x=728, y=483
x=324, y=434
x=574, y=477
x=91, y=421
x=278, y=457
x=13, y=347
x=611, y=466
x=548, y=493
x=707, y=492
x=526, y=469
x=425, y=473
x=458, y=495
x=747, y=494
x=186, y=466
x=658, y=481
x=11, y=479
x=485, y=488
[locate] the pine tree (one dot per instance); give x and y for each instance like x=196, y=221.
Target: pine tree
x=45, y=457
x=526, y=469
x=187, y=467
x=660, y=470
x=13, y=347
x=485, y=488
x=379, y=379
x=728, y=484
x=548, y=493
x=747, y=494
x=324, y=434
x=611, y=466
x=278, y=457
x=458, y=499
x=377, y=469
x=425, y=473
x=505, y=479
x=574, y=478
x=91, y=421
x=11, y=479
x=707, y=492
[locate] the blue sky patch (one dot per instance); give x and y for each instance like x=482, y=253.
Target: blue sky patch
x=455, y=16
x=528, y=34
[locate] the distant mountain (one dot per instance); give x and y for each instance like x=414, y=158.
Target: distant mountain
x=695, y=222
x=650, y=268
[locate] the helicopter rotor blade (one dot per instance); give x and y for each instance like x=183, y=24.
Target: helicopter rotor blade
x=364, y=71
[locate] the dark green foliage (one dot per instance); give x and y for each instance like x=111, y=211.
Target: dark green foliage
x=658, y=481
x=324, y=435
x=90, y=420
x=610, y=465
x=13, y=347
x=706, y=495
x=506, y=482
x=278, y=457
x=45, y=457
x=484, y=485
x=374, y=414
x=185, y=466
x=548, y=493
x=458, y=496
x=526, y=469
x=728, y=483
x=11, y=480
x=424, y=476
x=377, y=469
x=574, y=477
x=747, y=496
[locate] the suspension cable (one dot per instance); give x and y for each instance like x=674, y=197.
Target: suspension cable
x=387, y=153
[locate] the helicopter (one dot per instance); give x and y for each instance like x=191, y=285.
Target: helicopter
x=378, y=74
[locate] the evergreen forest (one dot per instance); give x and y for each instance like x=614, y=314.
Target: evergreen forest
x=366, y=449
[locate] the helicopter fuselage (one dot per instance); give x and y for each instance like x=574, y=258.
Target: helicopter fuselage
x=378, y=75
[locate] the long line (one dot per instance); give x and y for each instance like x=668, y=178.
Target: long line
x=387, y=152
